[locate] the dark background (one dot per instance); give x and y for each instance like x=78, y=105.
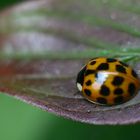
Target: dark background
x=6, y=3
x=19, y=121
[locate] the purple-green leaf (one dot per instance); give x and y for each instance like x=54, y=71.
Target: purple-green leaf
x=43, y=45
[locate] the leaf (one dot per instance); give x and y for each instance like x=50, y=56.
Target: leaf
x=43, y=45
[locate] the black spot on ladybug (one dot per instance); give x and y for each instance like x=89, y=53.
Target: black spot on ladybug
x=88, y=83
x=103, y=66
x=92, y=63
x=96, y=75
x=118, y=99
x=134, y=74
x=80, y=77
x=87, y=92
x=131, y=89
x=111, y=60
x=101, y=100
x=120, y=68
x=105, y=91
x=123, y=64
x=89, y=72
x=118, y=91
x=118, y=80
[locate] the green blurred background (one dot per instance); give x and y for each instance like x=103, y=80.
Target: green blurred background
x=19, y=121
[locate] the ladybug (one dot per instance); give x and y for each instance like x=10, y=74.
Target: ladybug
x=107, y=81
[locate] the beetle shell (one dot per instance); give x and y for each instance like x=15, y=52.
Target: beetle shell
x=107, y=81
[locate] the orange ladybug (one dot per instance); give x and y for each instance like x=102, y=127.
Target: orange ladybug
x=107, y=81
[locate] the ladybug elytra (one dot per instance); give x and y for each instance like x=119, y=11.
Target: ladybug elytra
x=107, y=81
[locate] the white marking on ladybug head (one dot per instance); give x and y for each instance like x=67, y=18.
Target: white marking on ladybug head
x=79, y=86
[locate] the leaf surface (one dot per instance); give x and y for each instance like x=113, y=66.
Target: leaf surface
x=43, y=45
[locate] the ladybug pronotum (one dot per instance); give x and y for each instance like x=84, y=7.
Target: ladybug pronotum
x=107, y=81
